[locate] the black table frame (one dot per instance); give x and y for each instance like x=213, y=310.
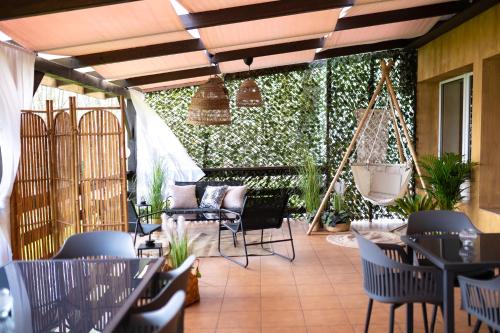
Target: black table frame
x=450, y=271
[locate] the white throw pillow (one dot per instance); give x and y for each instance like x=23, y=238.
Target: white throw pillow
x=235, y=195
x=183, y=196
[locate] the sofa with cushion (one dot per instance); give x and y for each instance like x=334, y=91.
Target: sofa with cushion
x=206, y=200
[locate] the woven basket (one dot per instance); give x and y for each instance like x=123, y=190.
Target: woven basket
x=192, y=289
x=341, y=227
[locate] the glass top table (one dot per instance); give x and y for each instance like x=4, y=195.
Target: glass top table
x=447, y=253
x=73, y=295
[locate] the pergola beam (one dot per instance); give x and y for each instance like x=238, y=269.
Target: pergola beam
x=400, y=15
x=133, y=53
x=266, y=50
x=363, y=48
x=258, y=12
x=13, y=9
x=66, y=74
x=473, y=10
x=168, y=76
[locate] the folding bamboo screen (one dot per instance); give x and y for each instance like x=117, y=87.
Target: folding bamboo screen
x=71, y=177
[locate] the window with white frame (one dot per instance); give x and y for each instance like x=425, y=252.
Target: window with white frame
x=455, y=112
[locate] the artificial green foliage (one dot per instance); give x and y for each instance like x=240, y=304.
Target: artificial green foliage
x=158, y=179
x=310, y=184
x=444, y=178
x=412, y=203
x=306, y=108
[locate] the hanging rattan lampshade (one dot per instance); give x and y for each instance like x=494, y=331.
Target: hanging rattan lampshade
x=249, y=93
x=210, y=104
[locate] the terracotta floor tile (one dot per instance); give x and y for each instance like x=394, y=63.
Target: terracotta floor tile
x=244, y=280
x=355, y=301
x=329, y=317
x=200, y=320
x=206, y=305
x=344, y=328
x=209, y=291
x=273, y=279
x=247, y=319
x=282, y=319
x=238, y=330
x=284, y=329
x=308, y=279
x=280, y=303
x=241, y=304
x=315, y=290
x=320, y=302
x=238, y=291
x=355, y=288
x=279, y=291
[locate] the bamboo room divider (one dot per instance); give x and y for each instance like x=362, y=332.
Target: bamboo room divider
x=71, y=177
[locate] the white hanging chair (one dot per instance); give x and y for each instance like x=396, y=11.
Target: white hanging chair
x=378, y=182
x=381, y=184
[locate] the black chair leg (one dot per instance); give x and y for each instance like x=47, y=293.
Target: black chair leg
x=391, y=318
x=368, y=315
x=477, y=326
x=434, y=317
x=234, y=239
x=424, y=315
x=469, y=320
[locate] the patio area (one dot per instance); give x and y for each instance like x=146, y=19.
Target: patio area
x=249, y=166
x=320, y=291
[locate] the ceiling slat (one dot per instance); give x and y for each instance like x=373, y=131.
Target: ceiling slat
x=355, y=49
x=168, y=76
x=258, y=12
x=134, y=53
x=400, y=15
x=13, y=9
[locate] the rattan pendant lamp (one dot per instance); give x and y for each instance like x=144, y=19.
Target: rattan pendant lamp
x=249, y=93
x=210, y=104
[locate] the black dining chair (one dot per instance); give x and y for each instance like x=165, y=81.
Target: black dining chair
x=97, y=244
x=166, y=319
x=481, y=298
x=137, y=227
x=261, y=211
x=168, y=284
x=442, y=222
x=396, y=283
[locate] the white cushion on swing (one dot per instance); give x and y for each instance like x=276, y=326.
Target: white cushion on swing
x=381, y=184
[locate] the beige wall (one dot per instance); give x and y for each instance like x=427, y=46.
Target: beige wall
x=461, y=50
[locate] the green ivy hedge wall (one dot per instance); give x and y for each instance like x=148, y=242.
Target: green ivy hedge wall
x=307, y=109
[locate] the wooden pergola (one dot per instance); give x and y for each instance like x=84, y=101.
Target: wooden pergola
x=152, y=45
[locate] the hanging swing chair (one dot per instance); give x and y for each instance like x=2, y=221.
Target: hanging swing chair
x=379, y=182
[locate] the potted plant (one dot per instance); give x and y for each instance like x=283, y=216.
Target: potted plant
x=445, y=178
x=310, y=186
x=412, y=203
x=155, y=199
x=180, y=248
x=337, y=219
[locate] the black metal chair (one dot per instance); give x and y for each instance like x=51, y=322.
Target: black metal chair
x=166, y=319
x=442, y=222
x=481, y=298
x=261, y=211
x=392, y=281
x=137, y=227
x=97, y=244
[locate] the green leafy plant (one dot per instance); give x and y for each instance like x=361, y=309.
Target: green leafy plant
x=445, y=177
x=412, y=203
x=179, y=242
x=310, y=184
x=338, y=214
x=156, y=189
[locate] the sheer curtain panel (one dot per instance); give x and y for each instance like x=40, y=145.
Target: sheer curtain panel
x=16, y=92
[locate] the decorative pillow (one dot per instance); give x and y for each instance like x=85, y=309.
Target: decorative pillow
x=213, y=196
x=183, y=196
x=235, y=196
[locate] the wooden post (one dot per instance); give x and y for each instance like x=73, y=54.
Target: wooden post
x=123, y=168
x=52, y=172
x=402, y=156
x=75, y=174
x=390, y=89
x=361, y=125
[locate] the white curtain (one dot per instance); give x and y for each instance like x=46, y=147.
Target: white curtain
x=16, y=92
x=157, y=142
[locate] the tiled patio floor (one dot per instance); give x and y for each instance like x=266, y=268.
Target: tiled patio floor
x=320, y=291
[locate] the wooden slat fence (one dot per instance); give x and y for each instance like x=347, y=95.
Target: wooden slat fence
x=71, y=177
